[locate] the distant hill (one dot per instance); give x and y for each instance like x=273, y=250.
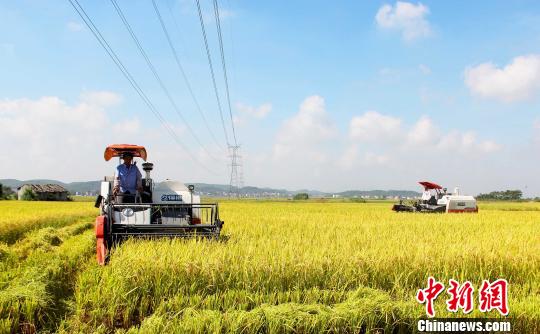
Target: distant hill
x=13, y=183
x=73, y=187
x=206, y=189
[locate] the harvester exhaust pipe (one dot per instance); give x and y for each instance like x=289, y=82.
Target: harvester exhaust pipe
x=147, y=167
x=191, y=188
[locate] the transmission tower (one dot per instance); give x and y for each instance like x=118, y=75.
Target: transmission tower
x=237, y=177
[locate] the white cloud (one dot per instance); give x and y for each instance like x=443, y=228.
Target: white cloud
x=383, y=130
x=423, y=132
x=246, y=113
x=389, y=140
x=466, y=142
x=349, y=157
x=101, y=98
x=456, y=141
x=309, y=152
x=376, y=159
x=426, y=135
x=46, y=115
x=406, y=17
x=373, y=126
x=74, y=26
x=257, y=112
x=489, y=146
x=49, y=138
x=352, y=158
x=302, y=134
x=127, y=127
x=517, y=81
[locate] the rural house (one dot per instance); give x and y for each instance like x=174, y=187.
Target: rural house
x=44, y=192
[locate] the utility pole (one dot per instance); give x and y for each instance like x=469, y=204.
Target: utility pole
x=237, y=177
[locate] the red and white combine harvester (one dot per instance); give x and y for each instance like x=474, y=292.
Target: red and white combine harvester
x=166, y=209
x=436, y=199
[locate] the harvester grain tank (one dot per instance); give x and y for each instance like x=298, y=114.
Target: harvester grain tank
x=166, y=209
x=436, y=199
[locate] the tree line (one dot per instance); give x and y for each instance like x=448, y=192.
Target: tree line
x=506, y=195
x=6, y=192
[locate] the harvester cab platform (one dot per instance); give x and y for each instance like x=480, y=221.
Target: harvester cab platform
x=166, y=209
x=437, y=199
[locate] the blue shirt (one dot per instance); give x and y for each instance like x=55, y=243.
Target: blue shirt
x=129, y=177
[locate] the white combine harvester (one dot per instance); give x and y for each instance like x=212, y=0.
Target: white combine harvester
x=167, y=209
x=436, y=199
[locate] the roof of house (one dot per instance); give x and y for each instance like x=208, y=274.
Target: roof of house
x=45, y=188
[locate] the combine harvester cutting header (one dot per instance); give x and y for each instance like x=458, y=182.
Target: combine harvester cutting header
x=436, y=199
x=166, y=209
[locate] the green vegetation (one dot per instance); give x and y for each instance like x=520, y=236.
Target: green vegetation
x=28, y=195
x=507, y=195
x=6, y=192
x=301, y=196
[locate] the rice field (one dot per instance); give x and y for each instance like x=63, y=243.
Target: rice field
x=281, y=267
x=18, y=217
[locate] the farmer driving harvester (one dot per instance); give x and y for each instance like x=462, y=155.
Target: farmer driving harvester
x=128, y=180
x=131, y=206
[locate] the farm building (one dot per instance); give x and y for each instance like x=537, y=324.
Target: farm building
x=44, y=192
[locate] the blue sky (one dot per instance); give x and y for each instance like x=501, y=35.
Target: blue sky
x=326, y=95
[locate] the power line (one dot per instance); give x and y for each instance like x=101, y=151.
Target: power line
x=156, y=75
x=110, y=52
x=178, y=30
x=218, y=25
x=237, y=178
x=181, y=68
x=212, y=71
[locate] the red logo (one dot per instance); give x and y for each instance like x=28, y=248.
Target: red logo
x=460, y=297
x=429, y=295
x=494, y=296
